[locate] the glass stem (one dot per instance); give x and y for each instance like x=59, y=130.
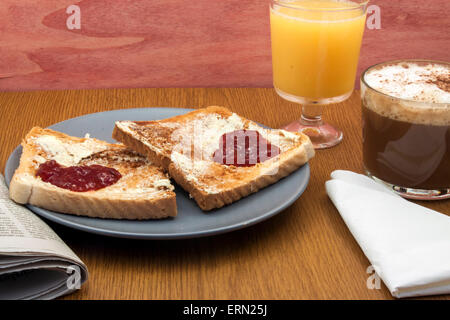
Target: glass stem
x=312, y=114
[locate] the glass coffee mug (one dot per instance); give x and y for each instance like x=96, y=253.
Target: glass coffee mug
x=406, y=127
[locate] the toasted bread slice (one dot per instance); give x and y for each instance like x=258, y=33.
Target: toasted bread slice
x=184, y=146
x=143, y=191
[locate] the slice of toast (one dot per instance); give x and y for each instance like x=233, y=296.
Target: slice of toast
x=185, y=146
x=142, y=192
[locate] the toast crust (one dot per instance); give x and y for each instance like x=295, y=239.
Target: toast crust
x=119, y=201
x=218, y=185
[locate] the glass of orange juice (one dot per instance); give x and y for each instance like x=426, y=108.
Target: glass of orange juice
x=315, y=50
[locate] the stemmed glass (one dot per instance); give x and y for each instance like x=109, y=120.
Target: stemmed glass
x=315, y=50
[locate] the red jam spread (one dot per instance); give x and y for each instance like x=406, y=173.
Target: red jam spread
x=78, y=178
x=244, y=148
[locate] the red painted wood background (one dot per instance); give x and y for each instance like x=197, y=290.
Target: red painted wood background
x=179, y=43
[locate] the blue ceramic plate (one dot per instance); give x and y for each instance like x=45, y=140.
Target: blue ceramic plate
x=191, y=221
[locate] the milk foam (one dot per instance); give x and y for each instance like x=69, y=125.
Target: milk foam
x=414, y=92
x=426, y=82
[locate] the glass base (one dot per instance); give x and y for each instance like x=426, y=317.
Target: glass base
x=414, y=194
x=322, y=135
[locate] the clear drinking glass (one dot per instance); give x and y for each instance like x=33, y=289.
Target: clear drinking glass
x=315, y=51
x=406, y=143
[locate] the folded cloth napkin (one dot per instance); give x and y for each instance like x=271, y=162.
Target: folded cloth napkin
x=408, y=245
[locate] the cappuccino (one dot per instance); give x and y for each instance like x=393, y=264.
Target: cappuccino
x=406, y=126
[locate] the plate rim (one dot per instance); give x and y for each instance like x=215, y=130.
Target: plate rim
x=53, y=216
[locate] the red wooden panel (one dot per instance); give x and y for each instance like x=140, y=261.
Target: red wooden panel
x=178, y=43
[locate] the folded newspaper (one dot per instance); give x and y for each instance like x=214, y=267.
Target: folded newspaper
x=34, y=262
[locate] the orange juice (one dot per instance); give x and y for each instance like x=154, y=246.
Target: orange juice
x=315, y=47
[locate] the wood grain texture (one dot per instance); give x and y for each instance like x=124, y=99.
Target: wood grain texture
x=305, y=252
x=160, y=43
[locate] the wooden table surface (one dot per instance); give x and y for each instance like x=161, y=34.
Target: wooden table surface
x=305, y=252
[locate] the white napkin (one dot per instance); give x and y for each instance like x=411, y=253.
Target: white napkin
x=408, y=245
